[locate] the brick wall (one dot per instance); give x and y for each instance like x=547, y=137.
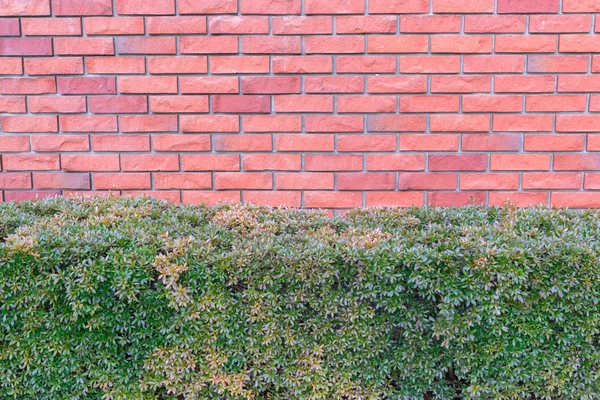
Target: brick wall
x=320, y=103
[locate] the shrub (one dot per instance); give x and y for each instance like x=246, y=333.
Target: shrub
x=139, y=299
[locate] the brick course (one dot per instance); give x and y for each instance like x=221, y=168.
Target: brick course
x=309, y=103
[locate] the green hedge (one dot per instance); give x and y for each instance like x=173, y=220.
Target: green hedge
x=138, y=299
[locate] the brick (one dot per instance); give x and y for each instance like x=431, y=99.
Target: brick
x=54, y=66
x=155, y=7
x=556, y=142
x=427, y=181
x=270, y=7
x=295, y=25
x=81, y=7
x=398, y=6
x=208, y=84
x=243, y=180
x=11, y=66
x=579, y=83
x=83, y=46
x=179, y=142
x=302, y=64
x=118, y=104
x=493, y=64
x=273, y=199
x=456, y=199
x=321, y=199
x=245, y=142
x=30, y=162
x=59, y=180
x=461, y=84
x=519, y=199
x=527, y=6
x=391, y=199
x=397, y=84
x=365, y=24
x=86, y=85
x=334, y=84
x=147, y=84
x=576, y=162
x=560, y=23
x=495, y=23
x=270, y=84
x=10, y=27
x=594, y=104
x=239, y=64
x=146, y=45
x=238, y=25
x=271, y=162
x=551, y=180
x=91, y=163
x=489, y=181
x=27, y=85
x=88, y=123
x=396, y=123
x=537, y=63
x=208, y=44
x=572, y=6
x=575, y=199
x=395, y=162
x=366, y=104
x=366, y=181
x=555, y=103
x=210, y=198
x=430, y=64
x=241, y=104
x=593, y=143
x=16, y=143
x=60, y=143
x=207, y=7
x=114, y=26
x=12, y=104
x=18, y=8
x=29, y=124
x=525, y=44
x=366, y=64
x=578, y=43
x=463, y=6
x=370, y=142
x=519, y=162
x=592, y=181
x=148, y=123
x=122, y=180
x=524, y=84
x=333, y=123
x=176, y=25
x=304, y=142
x=428, y=142
x=271, y=45
x=26, y=196
x=522, y=123
x=51, y=26
x=150, y=162
x=272, y=123
x=462, y=44
x=210, y=162
x=116, y=65
x=121, y=142
x=179, y=104
x=26, y=46
x=334, y=44
x=428, y=103
x=333, y=162
x=491, y=142
x=334, y=7
x=210, y=123
x=398, y=44
x=458, y=162
x=303, y=103
x=430, y=24
x=577, y=123
x=15, y=180
x=56, y=104
x=492, y=103
x=304, y=181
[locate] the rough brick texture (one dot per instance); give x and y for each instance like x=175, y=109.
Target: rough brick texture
x=309, y=103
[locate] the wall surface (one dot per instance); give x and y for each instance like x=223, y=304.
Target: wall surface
x=320, y=103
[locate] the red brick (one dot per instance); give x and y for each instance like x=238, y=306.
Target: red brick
x=122, y=180
x=334, y=44
x=578, y=43
x=210, y=162
x=463, y=6
x=243, y=180
x=26, y=196
x=396, y=84
x=428, y=142
x=567, y=142
x=365, y=24
x=11, y=66
x=560, y=23
x=30, y=162
x=60, y=143
x=238, y=25
x=334, y=123
x=334, y=84
x=15, y=180
x=537, y=63
x=592, y=181
x=246, y=142
x=179, y=142
x=273, y=199
x=148, y=123
x=210, y=123
x=519, y=162
x=370, y=142
x=430, y=24
x=241, y=104
x=494, y=64
x=304, y=181
x=570, y=6
x=81, y=7
x=427, y=181
x=60, y=180
x=456, y=199
x=519, y=199
x=294, y=25
x=271, y=162
x=16, y=8
x=271, y=44
x=10, y=27
x=56, y=104
x=458, y=162
x=430, y=64
x=366, y=181
x=366, y=104
x=120, y=142
x=398, y=6
x=149, y=162
x=525, y=44
x=270, y=6
x=396, y=123
x=146, y=45
x=302, y=64
x=118, y=104
x=270, y=84
x=527, y=6
x=489, y=181
x=462, y=44
x=154, y=7
x=208, y=44
x=114, y=26
x=334, y=7
x=555, y=103
x=147, y=84
x=115, y=65
x=461, y=84
x=333, y=162
x=26, y=47
x=208, y=84
x=27, y=85
x=522, y=123
x=594, y=104
x=14, y=143
x=575, y=199
x=492, y=103
x=428, y=103
x=551, y=180
x=207, y=6
x=577, y=123
x=51, y=26
x=12, y=104
x=398, y=44
x=239, y=64
x=86, y=85
x=318, y=199
x=524, y=83
x=366, y=64
x=176, y=25
x=83, y=46
x=179, y=104
x=576, y=162
x=300, y=103
x=578, y=83
x=391, y=199
x=395, y=162
x=491, y=142
x=88, y=123
x=210, y=198
x=304, y=142
x=272, y=123
x=29, y=124
x=593, y=143
x=495, y=23
x=54, y=66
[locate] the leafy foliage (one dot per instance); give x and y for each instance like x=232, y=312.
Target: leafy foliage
x=139, y=299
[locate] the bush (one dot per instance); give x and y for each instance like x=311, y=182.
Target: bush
x=139, y=299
